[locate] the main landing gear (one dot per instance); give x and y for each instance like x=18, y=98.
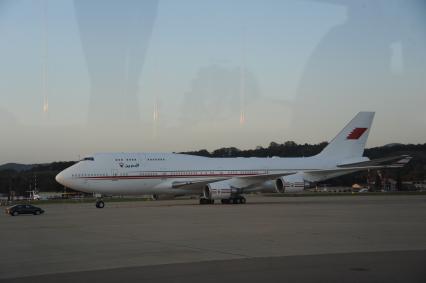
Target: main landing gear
x=232, y=200
x=206, y=201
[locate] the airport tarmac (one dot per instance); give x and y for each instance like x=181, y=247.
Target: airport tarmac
x=357, y=238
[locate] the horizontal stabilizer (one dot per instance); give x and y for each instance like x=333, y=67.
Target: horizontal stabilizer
x=323, y=174
x=398, y=161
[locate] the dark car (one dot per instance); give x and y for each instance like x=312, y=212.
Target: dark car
x=24, y=209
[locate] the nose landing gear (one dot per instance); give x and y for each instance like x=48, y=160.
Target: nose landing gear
x=100, y=203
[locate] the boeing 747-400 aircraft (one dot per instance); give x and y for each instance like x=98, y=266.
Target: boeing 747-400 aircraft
x=226, y=179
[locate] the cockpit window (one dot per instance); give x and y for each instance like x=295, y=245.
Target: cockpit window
x=88, y=159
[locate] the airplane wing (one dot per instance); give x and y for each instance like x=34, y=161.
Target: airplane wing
x=249, y=182
x=263, y=177
x=195, y=185
x=243, y=181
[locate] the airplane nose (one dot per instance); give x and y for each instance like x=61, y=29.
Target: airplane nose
x=60, y=178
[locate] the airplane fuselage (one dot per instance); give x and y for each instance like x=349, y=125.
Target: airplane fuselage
x=155, y=173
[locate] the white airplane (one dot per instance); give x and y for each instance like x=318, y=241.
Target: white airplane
x=226, y=179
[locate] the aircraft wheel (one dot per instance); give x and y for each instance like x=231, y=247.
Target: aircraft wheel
x=243, y=200
x=100, y=204
x=206, y=201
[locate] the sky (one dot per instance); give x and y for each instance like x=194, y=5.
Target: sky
x=85, y=76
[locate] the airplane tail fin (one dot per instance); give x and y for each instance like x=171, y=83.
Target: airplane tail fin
x=350, y=142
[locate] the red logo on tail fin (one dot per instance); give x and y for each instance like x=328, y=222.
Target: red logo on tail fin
x=356, y=133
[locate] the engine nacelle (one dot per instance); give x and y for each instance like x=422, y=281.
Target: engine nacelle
x=294, y=183
x=219, y=190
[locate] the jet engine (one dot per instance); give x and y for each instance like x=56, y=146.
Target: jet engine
x=294, y=183
x=219, y=190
